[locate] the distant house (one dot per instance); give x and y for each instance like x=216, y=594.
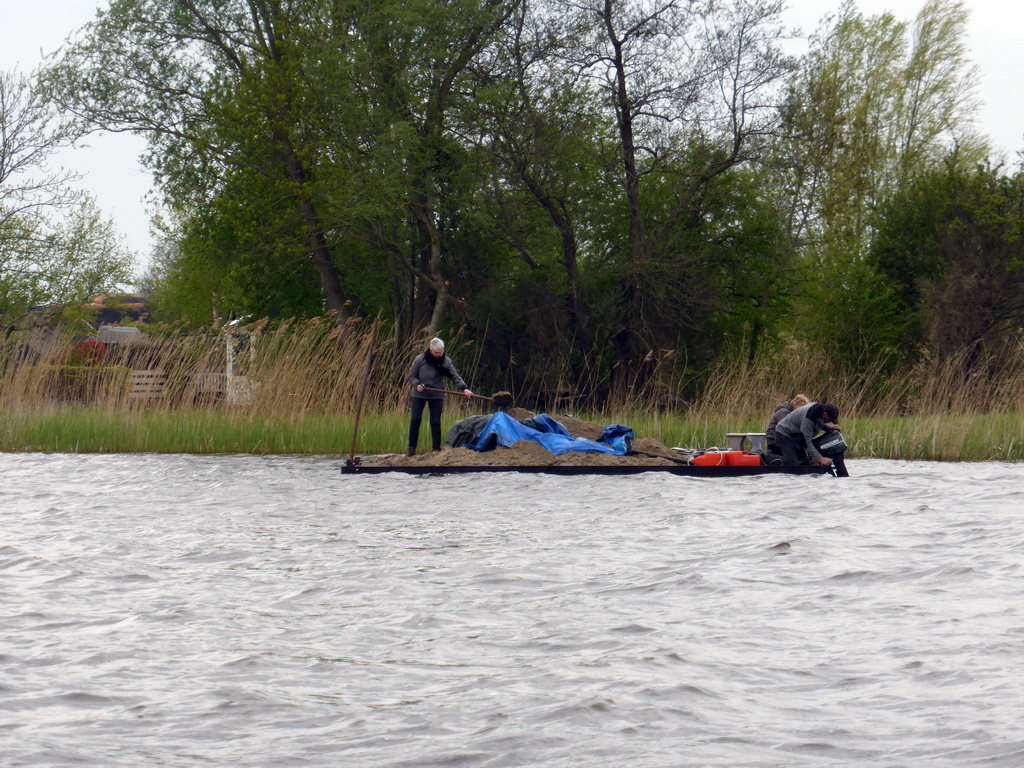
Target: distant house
x=36, y=334
x=114, y=308
x=110, y=309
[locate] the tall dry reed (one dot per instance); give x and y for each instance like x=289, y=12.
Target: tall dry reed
x=293, y=368
x=957, y=384
x=305, y=368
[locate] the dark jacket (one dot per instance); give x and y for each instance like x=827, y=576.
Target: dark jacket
x=782, y=410
x=425, y=373
x=802, y=425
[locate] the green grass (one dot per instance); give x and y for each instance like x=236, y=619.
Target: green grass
x=85, y=430
x=77, y=429
x=961, y=437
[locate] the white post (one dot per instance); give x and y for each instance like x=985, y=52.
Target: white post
x=232, y=346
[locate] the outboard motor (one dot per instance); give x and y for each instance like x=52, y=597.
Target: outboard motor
x=832, y=444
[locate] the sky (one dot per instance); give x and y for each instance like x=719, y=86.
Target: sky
x=112, y=172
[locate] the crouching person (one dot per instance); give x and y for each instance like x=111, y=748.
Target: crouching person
x=796, y=433
x=781, y=411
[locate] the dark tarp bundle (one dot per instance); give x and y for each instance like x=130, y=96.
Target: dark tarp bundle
x=465, y=431
x=502, y=429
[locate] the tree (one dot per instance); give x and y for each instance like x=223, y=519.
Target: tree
x=690, y=87
x=411, y=82
x=213, y=87
x=951, y=248
x=877, y=103
x=344, y=108
x=537, y=129
x=55, y=247
x=30, y=136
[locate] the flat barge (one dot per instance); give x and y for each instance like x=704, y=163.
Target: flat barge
x=685, y=470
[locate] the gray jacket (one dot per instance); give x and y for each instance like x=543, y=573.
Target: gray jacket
x=782, y=410
x=801, y=429
x=423, y=372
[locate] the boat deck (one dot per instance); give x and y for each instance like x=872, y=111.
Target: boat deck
x=686, y=470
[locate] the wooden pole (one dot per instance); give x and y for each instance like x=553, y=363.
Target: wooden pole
x=351, y=460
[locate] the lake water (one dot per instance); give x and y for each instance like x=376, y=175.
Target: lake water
x=269, y=611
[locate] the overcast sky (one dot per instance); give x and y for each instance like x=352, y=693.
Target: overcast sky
x=112, y=172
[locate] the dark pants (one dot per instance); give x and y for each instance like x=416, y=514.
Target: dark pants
x=436, y=406
x=789, y=450
x=792, y=454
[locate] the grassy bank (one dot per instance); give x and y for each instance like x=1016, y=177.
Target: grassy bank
x=76, y=429
x=88, y=430
x=294, y=388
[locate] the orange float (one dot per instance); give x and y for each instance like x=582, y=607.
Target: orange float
x=727, y=459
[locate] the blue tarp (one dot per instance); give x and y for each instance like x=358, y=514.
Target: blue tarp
x=502, y=429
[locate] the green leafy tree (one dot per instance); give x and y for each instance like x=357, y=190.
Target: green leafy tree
x=877, y=103
x=690, y=90
x=55, y=245
x=346, y=110
x=951, y=250
x=538, y=129
x=213, y=87
x=413, y=79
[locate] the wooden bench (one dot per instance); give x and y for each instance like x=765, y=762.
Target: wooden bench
x=210, y=383
x=146, y=385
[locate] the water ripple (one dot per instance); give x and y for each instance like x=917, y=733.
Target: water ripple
x=268, y=611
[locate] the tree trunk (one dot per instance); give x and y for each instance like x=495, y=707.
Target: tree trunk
x=322, y=260
x=627, y=340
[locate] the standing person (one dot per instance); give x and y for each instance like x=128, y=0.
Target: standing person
x=794, y=435
x=781, y=411
x=428, y=372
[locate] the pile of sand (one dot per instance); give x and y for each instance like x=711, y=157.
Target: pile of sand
x=527, y=453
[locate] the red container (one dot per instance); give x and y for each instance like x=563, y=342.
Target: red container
x=710, y=459
x=742, y=459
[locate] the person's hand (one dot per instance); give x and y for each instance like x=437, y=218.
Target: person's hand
x=419, y=387
x=824, y=461
x=467, y=393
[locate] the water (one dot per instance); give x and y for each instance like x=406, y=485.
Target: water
x=234, y=610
